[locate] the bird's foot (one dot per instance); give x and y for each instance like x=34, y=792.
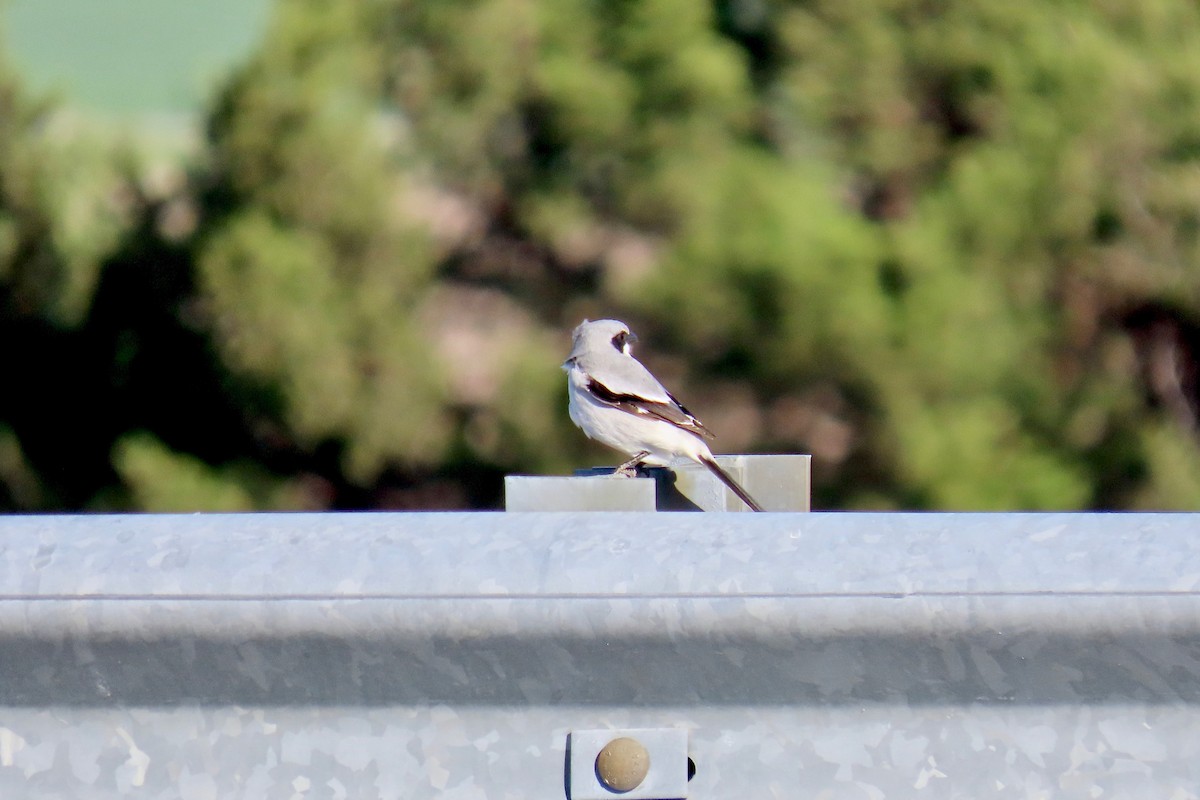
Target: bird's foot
x=630, y=468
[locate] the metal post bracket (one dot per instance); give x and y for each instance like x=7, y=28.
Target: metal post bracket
x=666, y=778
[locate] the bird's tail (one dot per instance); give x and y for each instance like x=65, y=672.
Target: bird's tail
x=733, y=485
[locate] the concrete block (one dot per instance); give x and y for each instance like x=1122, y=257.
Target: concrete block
x=778, y=482
x=599, y=493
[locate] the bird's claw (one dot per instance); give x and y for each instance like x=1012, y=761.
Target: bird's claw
x=630, y=468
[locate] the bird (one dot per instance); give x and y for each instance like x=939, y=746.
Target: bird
x=615, y=400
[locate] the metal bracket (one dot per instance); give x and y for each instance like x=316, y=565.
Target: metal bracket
x=666, y=779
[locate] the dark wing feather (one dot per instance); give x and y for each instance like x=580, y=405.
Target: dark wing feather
x=690, y=415
x=672, y=412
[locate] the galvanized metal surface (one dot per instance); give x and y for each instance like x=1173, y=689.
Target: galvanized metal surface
x=449, y=655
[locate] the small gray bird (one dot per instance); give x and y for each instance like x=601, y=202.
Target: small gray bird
x=616, y=401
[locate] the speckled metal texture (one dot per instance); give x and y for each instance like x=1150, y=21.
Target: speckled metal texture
x=449, y=655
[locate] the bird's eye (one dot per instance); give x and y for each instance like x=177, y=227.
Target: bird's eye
x=619, y=341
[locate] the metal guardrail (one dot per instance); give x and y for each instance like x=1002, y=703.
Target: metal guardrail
x=450, y=655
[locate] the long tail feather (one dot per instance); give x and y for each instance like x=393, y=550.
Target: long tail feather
x=733, y=485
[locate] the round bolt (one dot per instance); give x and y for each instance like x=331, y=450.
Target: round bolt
x=622, y=764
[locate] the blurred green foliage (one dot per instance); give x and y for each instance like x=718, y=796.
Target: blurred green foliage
x=951, y=249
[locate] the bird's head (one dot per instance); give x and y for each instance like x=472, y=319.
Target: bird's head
x=594, y=337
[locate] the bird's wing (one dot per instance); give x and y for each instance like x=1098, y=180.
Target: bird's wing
x=625, y=375
x=671, y=410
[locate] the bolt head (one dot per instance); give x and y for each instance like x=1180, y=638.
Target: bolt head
x=622, y=764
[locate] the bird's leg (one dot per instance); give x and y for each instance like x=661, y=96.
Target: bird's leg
x=630, y=468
